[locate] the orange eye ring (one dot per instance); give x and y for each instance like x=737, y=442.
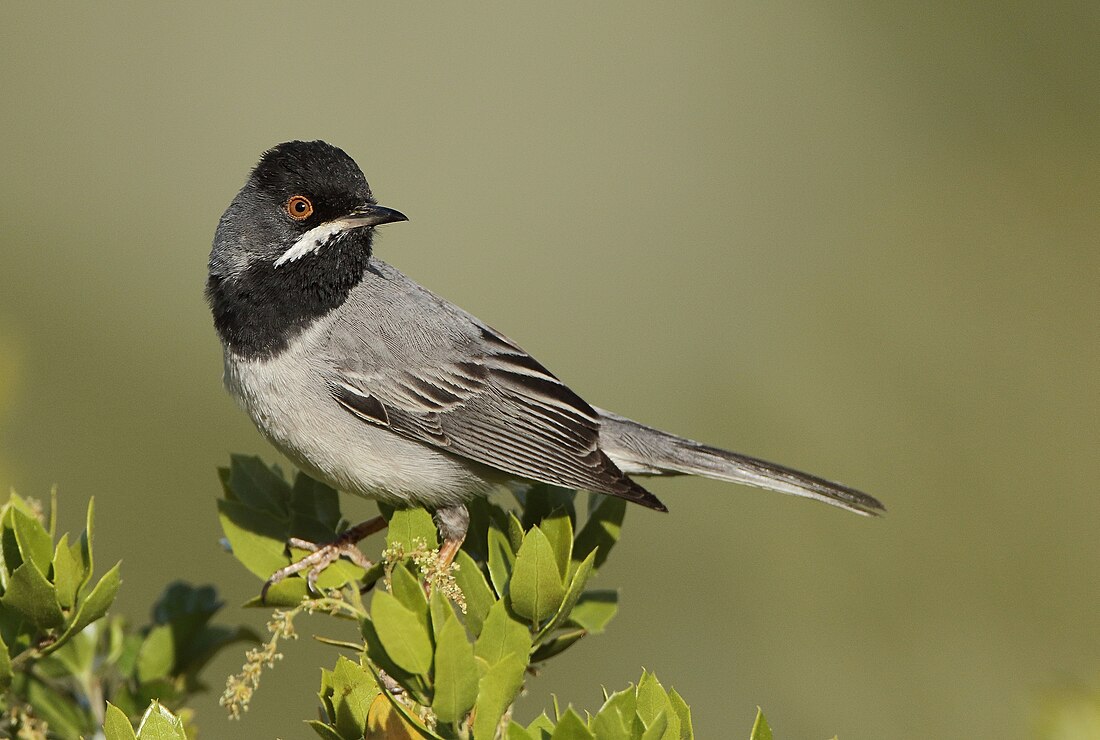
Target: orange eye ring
x=299, y=207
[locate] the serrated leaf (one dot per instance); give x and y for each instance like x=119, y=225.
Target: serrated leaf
x=257, y=486
x=571, y=727
x=479, y=597
x=30, y=595
x=159, y=724
x=502, y=636
x=516, y=731
x=558, y=528
x=609, y=724
x=91, y=607
x=496, y=691
x=601, y=531
x=501, y=561
x=760, y=728
x=572, y=594
x=32, y=539
x=404, y=638
x=625, y=704
x=456, y=681
x=116, y=726
x=651, y=697
x=408, y=526
x=540, y=724
x=354, y=689
x=683, y=713
x=536, y=589
x=658, y=728
x=594, y=609
x=5, y=666
x=66, y=579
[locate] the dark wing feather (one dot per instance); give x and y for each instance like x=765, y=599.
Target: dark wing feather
x=492, y=403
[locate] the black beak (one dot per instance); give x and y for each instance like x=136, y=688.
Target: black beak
x=372, y=214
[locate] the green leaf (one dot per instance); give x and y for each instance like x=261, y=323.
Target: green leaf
x=322, y=730
x=760, y=729
x=354, y=688
x=539, y=725
x=287, y=593
x=66, y=578
x=404, y=638
x=653, y=705
x=116, y=726
x=316, y=500
x=609, y=723
x=501, y=561
x=515, y=532
x=558, y=644
x=479, y=597
x=541, y=499
x=32, y=538
x=416, y=685
x=601, y=531
x=594, y=609
x=408, y=526
x=407, y=589
x=496, y=691
x=5, y=667
x=625, y=704
x=536, y=588
x=157, y=654
x=516, y=731
x=658, y=729
x=456, y=681
x=502, y=636
x=572, y=594
x=258, y=538
x=257, y=486
x=30, y=595
x=159, y=724
x=683, y=713
x=571, y=727
x=91, y=607
x=558, y=528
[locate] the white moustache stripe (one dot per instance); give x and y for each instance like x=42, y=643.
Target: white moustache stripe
x=318, y=237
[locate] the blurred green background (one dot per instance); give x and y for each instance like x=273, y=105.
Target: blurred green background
x=858, y=238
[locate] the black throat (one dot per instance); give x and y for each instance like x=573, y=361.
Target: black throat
x=259, y=311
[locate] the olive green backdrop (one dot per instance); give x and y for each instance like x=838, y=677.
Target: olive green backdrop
x=858, y=238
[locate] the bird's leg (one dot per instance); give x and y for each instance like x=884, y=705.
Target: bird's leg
x=452, y=521
x=322, y=556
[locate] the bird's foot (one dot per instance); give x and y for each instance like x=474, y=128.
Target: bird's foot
x=322, y=556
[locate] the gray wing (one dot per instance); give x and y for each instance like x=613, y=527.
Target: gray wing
x=431, y=372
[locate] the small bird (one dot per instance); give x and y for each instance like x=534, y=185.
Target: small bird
x=376, y=386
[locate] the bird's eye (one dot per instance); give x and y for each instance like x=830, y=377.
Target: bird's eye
x=299, y=207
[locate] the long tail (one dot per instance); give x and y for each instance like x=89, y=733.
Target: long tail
x=640, y=450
